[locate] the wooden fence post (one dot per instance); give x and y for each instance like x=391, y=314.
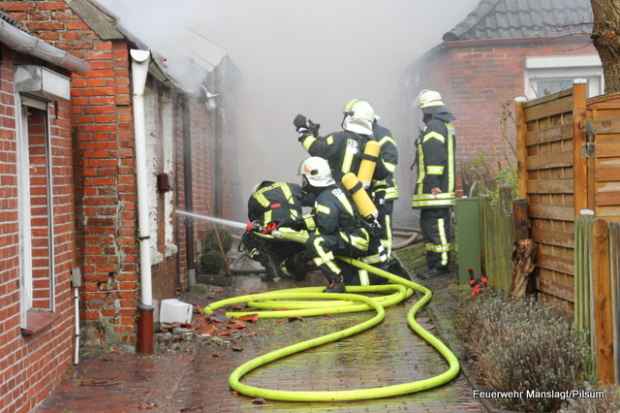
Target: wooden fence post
x=603, y=315
x=521, y=122
x=580, y=164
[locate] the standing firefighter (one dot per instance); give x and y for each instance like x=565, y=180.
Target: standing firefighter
x=339, y=230
x=435, y=187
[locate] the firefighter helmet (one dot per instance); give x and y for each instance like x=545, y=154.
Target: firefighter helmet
x=316, y=172
x=359, y=117
x=429, y=99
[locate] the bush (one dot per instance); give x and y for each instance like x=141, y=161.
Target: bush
x=210, y=242
x=482, y=178
x=611, y=403
x=520, y=346
x=211, y=262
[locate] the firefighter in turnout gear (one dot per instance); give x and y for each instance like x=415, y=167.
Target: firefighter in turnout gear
x=339, y=230
x=343, y=150
x=271, y=205
x=435, y=186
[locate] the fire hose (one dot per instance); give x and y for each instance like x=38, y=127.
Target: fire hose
x=303, y=302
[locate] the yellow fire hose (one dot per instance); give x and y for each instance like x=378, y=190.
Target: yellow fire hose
x=304, y=302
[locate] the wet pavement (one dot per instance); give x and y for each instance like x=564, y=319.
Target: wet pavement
x=197, y=381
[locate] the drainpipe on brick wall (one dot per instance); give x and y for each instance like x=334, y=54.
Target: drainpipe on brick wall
x=140, y=60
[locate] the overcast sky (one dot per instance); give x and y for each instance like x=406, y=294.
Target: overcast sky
x=298, y=57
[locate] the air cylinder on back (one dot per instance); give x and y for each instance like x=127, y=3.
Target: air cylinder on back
x=362, y=201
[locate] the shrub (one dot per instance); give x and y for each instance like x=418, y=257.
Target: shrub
x=210, y=242
x=522, y=345
x=482, y=178
x=611, y=403
x=211, y=262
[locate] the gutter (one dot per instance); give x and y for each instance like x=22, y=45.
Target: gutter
x=140, y=62
x=23, y=42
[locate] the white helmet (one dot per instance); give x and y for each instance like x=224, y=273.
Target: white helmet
x=317, y=171
x=429, y=99
x=359, y=117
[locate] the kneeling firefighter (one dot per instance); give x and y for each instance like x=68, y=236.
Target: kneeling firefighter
x=339, y=229
x=435, y=187
x=276, y=205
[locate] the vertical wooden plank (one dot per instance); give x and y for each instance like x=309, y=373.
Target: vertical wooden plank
x=579, y=140
x=603, y=316
x=521, y=122
x=520, y=220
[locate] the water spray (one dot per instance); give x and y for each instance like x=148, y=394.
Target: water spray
x=214, y=220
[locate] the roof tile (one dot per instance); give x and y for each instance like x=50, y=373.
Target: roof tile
x=511, y=19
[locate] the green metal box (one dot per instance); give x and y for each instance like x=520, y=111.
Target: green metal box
x=467, y=236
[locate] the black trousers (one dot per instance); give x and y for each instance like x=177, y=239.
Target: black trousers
x=437, y=231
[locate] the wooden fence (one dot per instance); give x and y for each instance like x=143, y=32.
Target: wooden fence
x=497, y=240
x=569, y=160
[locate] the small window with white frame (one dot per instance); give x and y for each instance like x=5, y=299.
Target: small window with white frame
x=551, y=74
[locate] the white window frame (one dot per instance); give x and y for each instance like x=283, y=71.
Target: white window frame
x=564, y=67
x=22, y=103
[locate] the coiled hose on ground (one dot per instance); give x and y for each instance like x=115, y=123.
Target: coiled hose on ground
x=304, y=302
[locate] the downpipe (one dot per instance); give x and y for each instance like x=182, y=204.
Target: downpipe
x=140, y=60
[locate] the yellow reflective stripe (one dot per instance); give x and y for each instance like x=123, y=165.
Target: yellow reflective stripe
x=438, y=248
x=387, y=241
x=415, y=203
x=308, y=142
x=451, y=133
x=288, y=194
x=386, y=140
x=421, y=170
x=364, y=278
x=324, y=257
x=309, y=221
x=330, y=140
x=444, y=241
x=261, y=199
x=434, y=135
x=443, y=195
x=323, y=209
x=294, y=214
x=389, y=166
x=374, y=259
x=347, y=162
x=345, y=203
x=392, y=193
x=268, y=217
x=435, y=170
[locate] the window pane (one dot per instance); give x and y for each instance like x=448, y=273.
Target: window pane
x=549, y=86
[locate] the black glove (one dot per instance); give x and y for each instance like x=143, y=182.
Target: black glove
x=301, y=124
x=314, y=127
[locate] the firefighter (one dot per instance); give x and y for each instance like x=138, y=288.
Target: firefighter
x=343, y=150
x=435, y=186
x=339, y=229
x=346, y=151
x=276, y=204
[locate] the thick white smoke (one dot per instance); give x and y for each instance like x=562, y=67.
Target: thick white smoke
x=298, y=57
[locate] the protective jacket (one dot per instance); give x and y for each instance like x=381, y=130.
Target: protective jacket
x=435, y=159
x=384, y=181
x=343, y=150
x=277, y=202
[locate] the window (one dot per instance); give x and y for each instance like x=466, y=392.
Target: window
x=551, y=74
x=35, y=215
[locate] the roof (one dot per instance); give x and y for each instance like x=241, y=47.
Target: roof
x=523, y=19
x=107, y=26
x=12, y=22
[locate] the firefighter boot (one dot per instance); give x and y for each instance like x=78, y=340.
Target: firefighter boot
x=336, y=285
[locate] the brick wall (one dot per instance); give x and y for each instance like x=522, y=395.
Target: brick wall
x=198, y=128
x=106, y=207
x=30, y=367
x=477, y=81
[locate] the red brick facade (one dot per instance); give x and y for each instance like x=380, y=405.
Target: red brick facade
x=103, y=132
x=477, y=78
x=30, y=367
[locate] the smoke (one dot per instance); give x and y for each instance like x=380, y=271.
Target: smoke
x=298, y=57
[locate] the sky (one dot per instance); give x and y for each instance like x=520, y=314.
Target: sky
x=298, y=57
